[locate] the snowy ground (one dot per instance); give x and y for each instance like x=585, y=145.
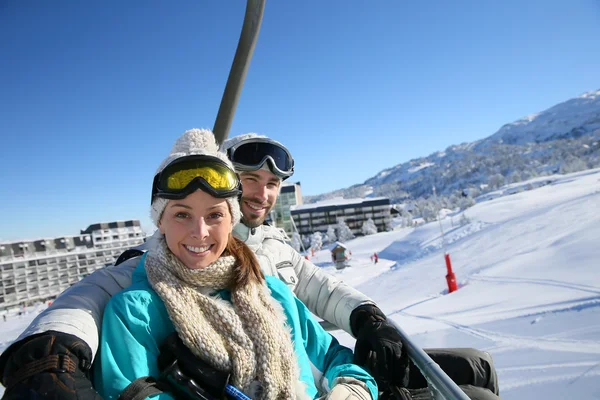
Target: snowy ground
x=528, y=265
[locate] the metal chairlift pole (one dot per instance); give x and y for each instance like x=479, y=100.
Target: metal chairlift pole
x=239, y=68
x=439, y=382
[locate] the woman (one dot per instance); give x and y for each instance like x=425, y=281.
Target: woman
x=201, y=282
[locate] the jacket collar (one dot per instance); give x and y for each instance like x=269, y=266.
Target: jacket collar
x=139, y=274
x=253, y=237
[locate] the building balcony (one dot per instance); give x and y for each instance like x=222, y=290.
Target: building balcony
x=10, y=298
x=8, y=284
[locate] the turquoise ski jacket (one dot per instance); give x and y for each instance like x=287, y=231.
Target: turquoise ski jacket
x=136, y=322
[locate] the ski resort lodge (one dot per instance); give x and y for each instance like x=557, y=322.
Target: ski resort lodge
x=39, y=270
x=317, y=217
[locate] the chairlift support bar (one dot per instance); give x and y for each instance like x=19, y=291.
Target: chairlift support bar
x=239, y=68
x=439, y=382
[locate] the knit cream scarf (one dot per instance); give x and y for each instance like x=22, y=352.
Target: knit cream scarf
x=249, y=340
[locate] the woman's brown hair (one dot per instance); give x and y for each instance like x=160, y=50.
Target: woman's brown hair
x=247, y=268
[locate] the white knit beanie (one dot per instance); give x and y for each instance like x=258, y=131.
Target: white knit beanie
x=194, y=141
x=229, y=143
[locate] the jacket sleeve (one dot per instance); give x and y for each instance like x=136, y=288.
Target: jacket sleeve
x=78, y=310
x=129, y=348
x=326, y=296
x=328, y=357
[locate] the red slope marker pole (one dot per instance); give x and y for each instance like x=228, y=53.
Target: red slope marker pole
x=450, y=277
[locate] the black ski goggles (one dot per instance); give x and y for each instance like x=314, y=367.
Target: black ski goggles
x=188, y=174
x=251, y=154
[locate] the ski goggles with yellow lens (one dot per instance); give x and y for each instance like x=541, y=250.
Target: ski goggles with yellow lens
x=251, y=154
x=188, y=174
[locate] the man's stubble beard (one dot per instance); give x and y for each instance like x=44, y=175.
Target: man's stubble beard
x=255, y=222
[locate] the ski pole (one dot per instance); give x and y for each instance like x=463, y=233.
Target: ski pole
x=235, y=393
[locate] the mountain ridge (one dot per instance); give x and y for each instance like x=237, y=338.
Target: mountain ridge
x=563, y=138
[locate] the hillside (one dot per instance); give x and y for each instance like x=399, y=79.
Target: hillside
x=563, y=139
x=530, y=277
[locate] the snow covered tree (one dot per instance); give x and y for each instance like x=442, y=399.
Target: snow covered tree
x=388, y=225
x=296, y=241
x=572, y=164
x=369, y=228
x=465, y=202
x=515, y=177
x=496, y=181
x=407, y=220
x=306, y=241
x=464, y=220
x=316, y=241
x=330, y=236
x=427, y=209
x=343, y=231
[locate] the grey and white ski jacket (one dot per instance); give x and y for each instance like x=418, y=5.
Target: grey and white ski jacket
x=78, y=310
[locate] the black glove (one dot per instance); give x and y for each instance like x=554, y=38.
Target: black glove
x=49, y=365
x=379, y=347
x=188, y=376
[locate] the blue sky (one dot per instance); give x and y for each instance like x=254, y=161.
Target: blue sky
x=93, y=94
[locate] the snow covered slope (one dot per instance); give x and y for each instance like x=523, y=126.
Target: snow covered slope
x=529, y=268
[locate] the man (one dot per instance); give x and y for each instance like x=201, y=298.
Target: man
x=53, y=356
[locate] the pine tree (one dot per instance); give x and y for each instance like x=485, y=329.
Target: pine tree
x=368, y=227
x=306, y=241
x=330, y=236
x=496, y=181
x=316, y=241
x=465, y=202
x=464, y=220
x=343, y=231
x=407, y=220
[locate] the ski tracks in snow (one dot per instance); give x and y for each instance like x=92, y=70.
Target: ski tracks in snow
x=533, y=281
x=548, y=377
x=552, y=372
x=505, y=341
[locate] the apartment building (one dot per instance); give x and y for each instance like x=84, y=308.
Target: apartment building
x=38, y=270
x=289, y=195
x=317, y=217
